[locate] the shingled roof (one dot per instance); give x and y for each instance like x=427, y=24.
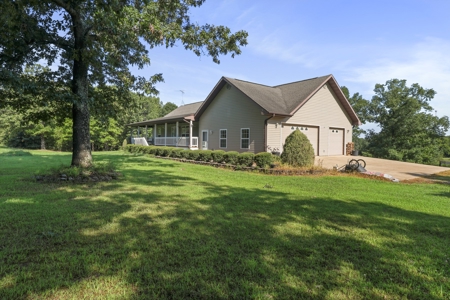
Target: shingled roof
x=283, y=99
x=178, y=114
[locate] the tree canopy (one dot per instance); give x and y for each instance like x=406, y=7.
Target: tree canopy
x=360, y=106
x=409, y=129
x=94, y=43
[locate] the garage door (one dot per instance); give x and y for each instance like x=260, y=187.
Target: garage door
x=312, y=133
x=336, y=141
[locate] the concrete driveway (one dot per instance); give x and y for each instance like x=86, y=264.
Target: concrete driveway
x=397, y=169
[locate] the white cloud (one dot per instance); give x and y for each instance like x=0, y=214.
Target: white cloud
x=426, y=63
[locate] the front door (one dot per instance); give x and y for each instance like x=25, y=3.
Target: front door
x=204, y=139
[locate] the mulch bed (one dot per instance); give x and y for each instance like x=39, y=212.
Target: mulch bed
x=95, y=177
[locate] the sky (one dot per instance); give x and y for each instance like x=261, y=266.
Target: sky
x=361, y=43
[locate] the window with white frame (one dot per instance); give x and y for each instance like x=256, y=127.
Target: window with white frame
x=245, y=138
x=223, y=138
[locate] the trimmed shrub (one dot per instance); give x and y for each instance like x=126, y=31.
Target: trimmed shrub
x=185, y=153
x=192, y=154
x=124, y=144
x=177, y=152
x=147, y=149
x=218, y=156
x=153, y=150
x=246, y=159
x=297, y=150
x=159, y=151
x=231, y=157
x=139, y=149
x=204, y=155
x=263, y=159
x=166, y=151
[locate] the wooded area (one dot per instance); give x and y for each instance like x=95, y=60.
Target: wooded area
x=27, y=130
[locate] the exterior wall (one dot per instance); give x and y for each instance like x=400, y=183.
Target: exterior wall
x=322, y=110
x=232, y=110
x=274, y=134
x=195, y=129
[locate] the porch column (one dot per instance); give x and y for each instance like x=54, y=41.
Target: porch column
x=177, y=135
x=139, y=131
x=154, y=134
x=190, y=133
x=146, y=132
x=165, y=134
x=131, y=135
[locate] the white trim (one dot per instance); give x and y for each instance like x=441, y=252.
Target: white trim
x=221, y=138
x=240, y=142
x=343, y=138
x=176, y=135
x=207, y=139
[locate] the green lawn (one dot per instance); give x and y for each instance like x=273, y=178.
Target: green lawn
x=169, y=230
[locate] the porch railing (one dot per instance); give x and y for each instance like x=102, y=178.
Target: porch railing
x=174, y=141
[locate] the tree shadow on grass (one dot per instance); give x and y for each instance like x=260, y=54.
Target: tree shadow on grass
x=227, y=242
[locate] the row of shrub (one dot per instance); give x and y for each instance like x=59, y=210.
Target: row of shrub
x=246, y=159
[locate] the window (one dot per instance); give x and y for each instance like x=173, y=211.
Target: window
x=184, y=130
x=245, y=138
x=223, y=138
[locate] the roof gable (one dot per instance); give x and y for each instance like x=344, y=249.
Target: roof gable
x=283, y=99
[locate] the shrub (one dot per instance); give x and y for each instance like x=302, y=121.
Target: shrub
x=124, y=144
x=152, y=150
x=204, y=155
x=147, y=149
x=139, y=149
x=192, y=154
x=263, y=159
x=166, y=151
x=231, y=157
x=185, y=153
x=159, y=151
x=217, y=156
x=297, y=150
x=246, y=159
x=177, y=152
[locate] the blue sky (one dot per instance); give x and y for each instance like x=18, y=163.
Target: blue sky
x=360, y=42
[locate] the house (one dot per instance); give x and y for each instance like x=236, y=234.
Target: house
x=248, y=117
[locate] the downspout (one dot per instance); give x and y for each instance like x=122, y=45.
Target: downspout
x=265, y=131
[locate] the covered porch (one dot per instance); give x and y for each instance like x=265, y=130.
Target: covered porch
x=174, y=132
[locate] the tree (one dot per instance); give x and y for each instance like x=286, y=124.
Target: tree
x=409, y=130
x=360, y=106
x=95, y=42
x=297, y=150
x=167, y=108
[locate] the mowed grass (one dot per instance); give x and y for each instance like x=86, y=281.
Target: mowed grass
x=169, y=230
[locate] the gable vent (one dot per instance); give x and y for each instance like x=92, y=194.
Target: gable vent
x=228, y=86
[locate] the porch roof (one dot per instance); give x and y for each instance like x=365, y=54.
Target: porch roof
x=185, y=112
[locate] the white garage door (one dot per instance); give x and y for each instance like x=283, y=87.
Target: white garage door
x=335, y=141
x=312, y=133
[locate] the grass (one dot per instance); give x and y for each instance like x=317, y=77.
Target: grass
x=168, y=230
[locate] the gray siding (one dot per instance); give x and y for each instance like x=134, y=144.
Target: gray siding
x=323, y=110
x=232, y=110
x=274, y=136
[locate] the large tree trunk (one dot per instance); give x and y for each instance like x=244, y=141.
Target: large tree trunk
x=42, y=142
x=81, y=155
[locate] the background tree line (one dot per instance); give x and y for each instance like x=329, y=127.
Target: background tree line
x=31, y=129
x=409, y=129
